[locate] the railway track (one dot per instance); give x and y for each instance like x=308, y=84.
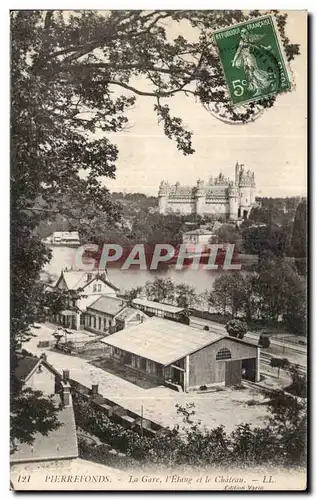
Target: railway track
x=279, y=343
x=266, y=359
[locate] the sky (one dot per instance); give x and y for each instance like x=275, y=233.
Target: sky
x=274, y=146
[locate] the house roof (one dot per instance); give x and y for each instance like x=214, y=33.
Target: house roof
x=108, y=305
x=58, y=444
x=78, y=279
x=158, y=305
x=161, y=340
x=27, y=364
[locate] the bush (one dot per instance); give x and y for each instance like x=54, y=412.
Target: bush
x=264, y=342
x=236, y=328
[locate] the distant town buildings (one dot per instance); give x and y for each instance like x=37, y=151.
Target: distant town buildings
x=218, y=197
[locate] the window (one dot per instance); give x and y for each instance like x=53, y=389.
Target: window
x=95, y=322
x=99, y=323
x=99, y=288
x=222, y=354
x=94, y=288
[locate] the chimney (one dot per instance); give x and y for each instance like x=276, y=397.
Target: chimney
x=94, y=389
x=67, y=398
x=66, y=395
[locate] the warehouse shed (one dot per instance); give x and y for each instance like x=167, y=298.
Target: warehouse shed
x=173, y=352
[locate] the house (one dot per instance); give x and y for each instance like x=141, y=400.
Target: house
x=198, y=236
x=63, y=238
x=110, y=314
x=176, y=353
x=59, y=444
x=204, y=235
x=153, y=308
x=83, y=289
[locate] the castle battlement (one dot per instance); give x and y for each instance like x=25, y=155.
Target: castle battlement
x=218, y=196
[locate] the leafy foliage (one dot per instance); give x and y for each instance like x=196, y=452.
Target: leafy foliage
x=274, y=291
x=236, y=328
x=35, y=409
x=160, y=290
x=299, y=237
x=281, y=442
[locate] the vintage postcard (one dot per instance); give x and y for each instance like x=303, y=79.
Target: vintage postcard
x=158, y=250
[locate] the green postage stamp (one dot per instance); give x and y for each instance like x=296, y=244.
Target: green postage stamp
x=252, y=60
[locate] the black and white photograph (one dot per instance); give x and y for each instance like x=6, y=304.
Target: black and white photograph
x=158, y=250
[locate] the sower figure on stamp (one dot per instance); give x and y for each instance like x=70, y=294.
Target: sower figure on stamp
x=245, y=57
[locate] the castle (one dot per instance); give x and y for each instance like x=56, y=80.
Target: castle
x=219, y=197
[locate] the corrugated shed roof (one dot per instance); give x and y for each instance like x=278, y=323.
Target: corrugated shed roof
x=58, y=444
x=161, y=340
x=158, y=305
x=108, y=305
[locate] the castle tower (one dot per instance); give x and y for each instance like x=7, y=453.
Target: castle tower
x=200, y=197
x=245, y=191
x=253, y=186
x=233, y=192
x=163, y=197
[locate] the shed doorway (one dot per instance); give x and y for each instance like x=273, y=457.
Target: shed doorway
x=249, y=369
x=233, y=373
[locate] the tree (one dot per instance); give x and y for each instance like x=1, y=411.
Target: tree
x=279, y=363
x=298, y=386
x=227, y=233
x=299, y=237
x=160, y=290
x=267, y=238
x=132, y=294
x=31, y=413
x=288, y=421
x=72, y=80
x=186, y=296
x=281, y=291
x=236, y=328
x=229, y=293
